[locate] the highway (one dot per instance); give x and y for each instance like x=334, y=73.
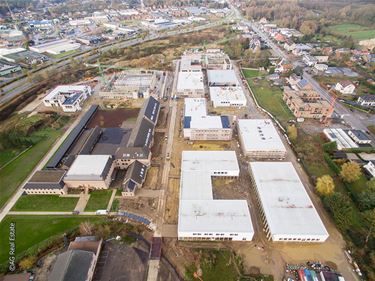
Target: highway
x=18, y=87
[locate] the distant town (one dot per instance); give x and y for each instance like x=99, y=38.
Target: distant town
x=220, y=140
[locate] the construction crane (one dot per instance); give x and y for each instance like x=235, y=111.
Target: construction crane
x=330, y=110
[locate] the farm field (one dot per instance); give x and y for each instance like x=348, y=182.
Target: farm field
x=32, y=230
x=45, y=203
x=357, y=32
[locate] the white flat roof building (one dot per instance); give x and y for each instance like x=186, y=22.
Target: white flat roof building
x=190, y=84
x=201, y=217
x=260, y=140
x=200, y=126
x=341, y=138
x=288, y=212
x=222, y=78
x=68, y=97
x=227, y=97
x=90, y=170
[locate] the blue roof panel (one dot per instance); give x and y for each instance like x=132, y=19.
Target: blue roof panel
x=225, y=122
x=187, y=120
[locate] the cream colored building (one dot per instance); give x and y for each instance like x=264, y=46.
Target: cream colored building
x=92, y=171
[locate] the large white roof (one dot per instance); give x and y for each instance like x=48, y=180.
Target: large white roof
x=259, y=135
x=190, y=81
x=196, y=109
x=91, y=166
x=198, y=211
x=214, y=216
x=208, y=161
x=227, y=94
x=286, y=204
x=222, y=76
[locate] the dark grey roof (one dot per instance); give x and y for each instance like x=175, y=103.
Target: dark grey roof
x=360, y=134
x=136, y=172
x=142, y=134
x=92, y=139
x=368, y=98
x=68, y=142
x=151, y=109
x=46, y=179
x=73, y=265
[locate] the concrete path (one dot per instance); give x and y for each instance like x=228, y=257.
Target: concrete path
x=32, y=213
x=82, y=202
x=111, y=200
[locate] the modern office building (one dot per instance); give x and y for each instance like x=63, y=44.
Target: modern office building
x=200, y=216
x=227, y=97
x=259, y=139
x=68, y=97
x=198, y=125
x=287, y=211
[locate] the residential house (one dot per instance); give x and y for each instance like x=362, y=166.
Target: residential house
x=309, y=60
x=321, y=67
x=345, y=87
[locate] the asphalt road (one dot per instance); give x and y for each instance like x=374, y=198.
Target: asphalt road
x=20, y=86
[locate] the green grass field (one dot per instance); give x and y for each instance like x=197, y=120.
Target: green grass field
x=216, y=265
x=15, y=173
x=98, y=200
x=32, y=230
x=7, y=155
x=357, y=32
x=271, y=99
x=250, y=73
x=45, y=203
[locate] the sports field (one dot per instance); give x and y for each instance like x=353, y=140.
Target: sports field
x=356, y=31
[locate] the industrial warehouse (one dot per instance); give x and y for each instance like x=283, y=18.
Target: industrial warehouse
x=260, y=140
x=201, y=216
x=91, y=155
x=198, y=125
x=286, y=208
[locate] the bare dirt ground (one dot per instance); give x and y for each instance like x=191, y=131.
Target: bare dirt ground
x=151, y=178
x=112, y=118
x=140, y=205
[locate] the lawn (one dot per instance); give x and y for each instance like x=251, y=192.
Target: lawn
x=271, y=99
x=216, y=265
x=15, y=173
x=98, y=200
x=45, y=203
x=357, y=32
x=250, y=73
x=32, y=230
x=7, y=155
